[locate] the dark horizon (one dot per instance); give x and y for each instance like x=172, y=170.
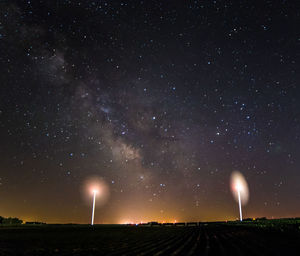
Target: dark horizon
x=260, y=219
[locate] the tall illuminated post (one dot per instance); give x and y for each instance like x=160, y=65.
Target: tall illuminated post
x=97, y=188
x=94, y=204
x=240, y=203
x=240, y=190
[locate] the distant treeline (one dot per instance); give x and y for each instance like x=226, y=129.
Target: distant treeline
x=10, y=221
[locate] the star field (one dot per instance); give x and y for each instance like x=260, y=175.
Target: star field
x=162, y=99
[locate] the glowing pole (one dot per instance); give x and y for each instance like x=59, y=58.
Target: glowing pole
x=240, y=204
x=94, y=202
x=240, y=191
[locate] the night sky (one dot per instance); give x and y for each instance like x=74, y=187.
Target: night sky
x=162, y=99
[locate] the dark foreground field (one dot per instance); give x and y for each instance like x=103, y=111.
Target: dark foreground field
x=209, y=239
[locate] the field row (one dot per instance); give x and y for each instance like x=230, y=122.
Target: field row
x=122, y=240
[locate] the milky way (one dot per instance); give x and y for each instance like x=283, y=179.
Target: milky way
x=162, y=100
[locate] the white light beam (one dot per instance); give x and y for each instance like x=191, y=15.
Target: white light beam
x=94, y=202
x=240, y=203
x=240, y=190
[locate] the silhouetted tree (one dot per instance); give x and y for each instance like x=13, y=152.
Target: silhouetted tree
x=11, y=221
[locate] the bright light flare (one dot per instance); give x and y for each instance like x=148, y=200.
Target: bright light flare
x=239, y=186
x=240, y=190
x=95, y=189
x=95, y=185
